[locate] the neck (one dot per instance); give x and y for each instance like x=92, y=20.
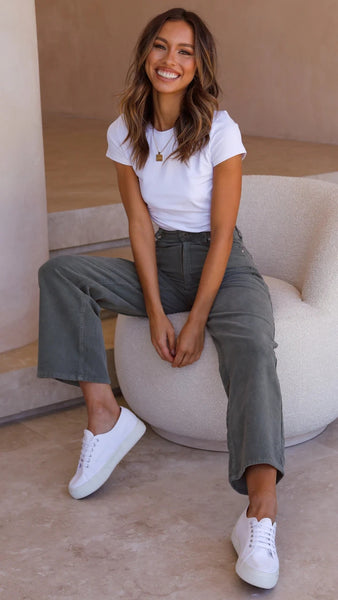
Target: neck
x=166, y=110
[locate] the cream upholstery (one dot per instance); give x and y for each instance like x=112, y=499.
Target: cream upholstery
x=290, y=225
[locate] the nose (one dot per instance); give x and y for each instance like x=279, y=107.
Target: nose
x=170, y=58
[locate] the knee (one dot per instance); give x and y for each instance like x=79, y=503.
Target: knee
x=258, y=348
x=251, y=347
x=52, y=267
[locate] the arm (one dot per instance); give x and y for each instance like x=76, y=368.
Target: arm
x=227, y=180
x=143, y=245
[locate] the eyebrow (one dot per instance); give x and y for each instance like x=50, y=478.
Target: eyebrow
x=166, y=41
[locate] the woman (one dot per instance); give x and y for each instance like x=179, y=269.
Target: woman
x=178, y=162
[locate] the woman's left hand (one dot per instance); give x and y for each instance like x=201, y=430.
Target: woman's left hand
x=189, y=345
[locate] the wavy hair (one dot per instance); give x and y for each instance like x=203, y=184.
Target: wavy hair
x=193, y=124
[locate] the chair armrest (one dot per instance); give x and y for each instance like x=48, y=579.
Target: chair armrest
x=320, y=287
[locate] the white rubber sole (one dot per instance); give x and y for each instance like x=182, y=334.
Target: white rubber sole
x=101, y=476
x=252, y=576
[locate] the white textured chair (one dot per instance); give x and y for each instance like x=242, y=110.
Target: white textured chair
x=290, y=225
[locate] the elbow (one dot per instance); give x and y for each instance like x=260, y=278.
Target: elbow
x=141, y=229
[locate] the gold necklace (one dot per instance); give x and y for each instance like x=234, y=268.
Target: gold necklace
x=159, y=155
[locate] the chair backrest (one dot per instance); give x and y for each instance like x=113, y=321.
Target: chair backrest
x=282, y=220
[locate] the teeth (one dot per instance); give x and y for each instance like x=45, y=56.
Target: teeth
x=167, y=74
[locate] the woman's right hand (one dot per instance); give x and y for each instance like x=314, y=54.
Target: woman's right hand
x=163, y=337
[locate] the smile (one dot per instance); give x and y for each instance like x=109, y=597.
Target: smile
x=167, y=74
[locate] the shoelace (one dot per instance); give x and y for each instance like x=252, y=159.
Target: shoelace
x=87, y=451
x=262, y=536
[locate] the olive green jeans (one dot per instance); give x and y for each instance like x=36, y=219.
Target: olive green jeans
x=74, y=289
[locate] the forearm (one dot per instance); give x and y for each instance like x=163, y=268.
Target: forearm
x=143, y=246
x=211, y=278
x=190, y=340
x=161, y=330
x=224, y=208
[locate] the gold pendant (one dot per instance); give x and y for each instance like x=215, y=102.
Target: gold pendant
x=159, y=157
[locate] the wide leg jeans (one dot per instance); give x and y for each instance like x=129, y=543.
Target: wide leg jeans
x=74, y=289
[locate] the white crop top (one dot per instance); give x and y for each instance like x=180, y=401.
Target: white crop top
x=178, y=195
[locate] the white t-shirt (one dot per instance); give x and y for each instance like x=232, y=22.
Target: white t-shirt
x=178, y=195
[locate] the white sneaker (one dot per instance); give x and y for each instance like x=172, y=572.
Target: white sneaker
x=254, y=542
x=101, y=453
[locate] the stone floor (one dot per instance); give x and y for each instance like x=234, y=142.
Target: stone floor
x=159, y=528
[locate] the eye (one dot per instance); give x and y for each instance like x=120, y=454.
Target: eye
x=186, y=52
x=159, y=46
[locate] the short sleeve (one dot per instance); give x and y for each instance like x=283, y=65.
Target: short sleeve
x=225, y=138
x=118, y=148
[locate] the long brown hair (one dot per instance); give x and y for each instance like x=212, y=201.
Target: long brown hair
x=193, y=125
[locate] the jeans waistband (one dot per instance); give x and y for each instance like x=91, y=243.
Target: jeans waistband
x=185, y=236
x=182, y=236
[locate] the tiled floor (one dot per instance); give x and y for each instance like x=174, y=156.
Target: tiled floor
x=159, y=528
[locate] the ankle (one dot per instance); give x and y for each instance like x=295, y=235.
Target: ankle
x=263, y=505
x=102, y=418
x=261, y=482
x=103, y=410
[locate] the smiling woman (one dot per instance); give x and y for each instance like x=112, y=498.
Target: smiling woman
x=179, y=165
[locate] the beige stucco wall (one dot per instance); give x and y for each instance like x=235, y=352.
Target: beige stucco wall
x=277, y=67
x=23, y=215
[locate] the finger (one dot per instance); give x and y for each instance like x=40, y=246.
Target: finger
x=187, y=360
x=158, y=350
x=165, y=352
x=177, y=362
x=156, y=342
x=172, y=342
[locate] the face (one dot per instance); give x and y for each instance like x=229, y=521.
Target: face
x=171, y=63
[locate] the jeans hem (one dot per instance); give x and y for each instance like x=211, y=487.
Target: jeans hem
x=70, y=378
x=238, y=483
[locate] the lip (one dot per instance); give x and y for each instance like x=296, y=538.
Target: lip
x=173, y=75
